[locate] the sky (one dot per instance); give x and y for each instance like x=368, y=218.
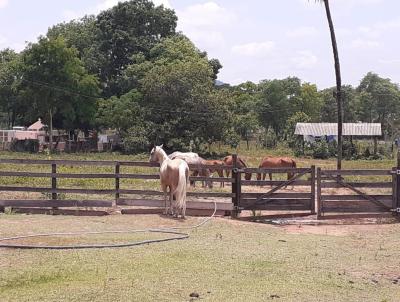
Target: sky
x=254, y=39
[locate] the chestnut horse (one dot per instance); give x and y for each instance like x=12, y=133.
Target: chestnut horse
x=276, y=162
x=220, y=171
x=174, y=174
x=228, y=161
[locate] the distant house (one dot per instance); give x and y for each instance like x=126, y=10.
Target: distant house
x=36, y=131
x=312, y=131
x=37, y=126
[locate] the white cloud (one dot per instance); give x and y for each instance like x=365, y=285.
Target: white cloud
x=389, y=62
x=69, y=14
x=3, y=40
x=302, y=32
x=255, y=49
x=104, y=5
x=343, y=3
x=207, y=39
x=304, y=59
x=166, y=3
x=364, y=44
x=205, y=24
x=208, y=14
x=3, y=3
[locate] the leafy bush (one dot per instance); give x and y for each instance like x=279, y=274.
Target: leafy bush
x=320, y=150
x=231, y=138
x=27, y=145
x=135, y=140
x=350, y=150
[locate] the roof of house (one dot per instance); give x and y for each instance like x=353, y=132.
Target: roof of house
x=353, y=129
x=37, y=126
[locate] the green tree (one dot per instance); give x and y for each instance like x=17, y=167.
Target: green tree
x=277, y=100
x=309, y=101
x=296, y=142
x=127, y=29
x=379, y=101
x=80, y=34
x=244, y=109
x=177, y=84
x=57, y=85
x=329, y=107
x=10, y=77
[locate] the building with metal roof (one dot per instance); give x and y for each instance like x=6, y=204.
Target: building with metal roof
x=330, y=129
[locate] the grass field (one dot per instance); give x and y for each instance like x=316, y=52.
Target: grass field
x=223, y=261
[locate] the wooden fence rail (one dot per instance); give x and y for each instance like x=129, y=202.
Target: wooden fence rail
x=310, y=189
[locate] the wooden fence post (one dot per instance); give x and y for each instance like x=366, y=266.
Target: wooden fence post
x=397, y=182
x=312, y=208
x=236, y=187
x=319, y=203
x=394, y=188
x=54, y=183
x=117, y=167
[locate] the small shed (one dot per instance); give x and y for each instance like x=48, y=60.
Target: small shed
x=330, y=129
x=312, y=131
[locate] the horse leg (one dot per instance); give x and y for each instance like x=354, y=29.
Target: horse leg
x=172, y=203
x=270, y=178
x=221, y=174
x=289, y=176
x=227, y=174
x=192, y=182
x=164, y=188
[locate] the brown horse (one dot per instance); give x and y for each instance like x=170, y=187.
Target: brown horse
x=228, y=161
x=220, y=171
x=276, y=162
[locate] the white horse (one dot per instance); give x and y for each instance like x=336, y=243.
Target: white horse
x=174, y=173
x=194, y=159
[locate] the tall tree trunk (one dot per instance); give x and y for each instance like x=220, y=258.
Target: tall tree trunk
x=338, y=85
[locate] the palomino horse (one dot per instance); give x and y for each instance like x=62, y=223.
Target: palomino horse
x=228, y=160
x=220, y=171
x=174, y=173
x=193, y=159
x=276, y=162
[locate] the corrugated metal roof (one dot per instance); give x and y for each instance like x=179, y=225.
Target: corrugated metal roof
x=353, y=129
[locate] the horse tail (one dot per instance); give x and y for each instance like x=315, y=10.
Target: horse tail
x=180, y=191
x=294, y=163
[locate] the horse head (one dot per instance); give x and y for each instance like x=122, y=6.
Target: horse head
x=156, y=153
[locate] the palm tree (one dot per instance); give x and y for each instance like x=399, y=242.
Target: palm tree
x=338, y=82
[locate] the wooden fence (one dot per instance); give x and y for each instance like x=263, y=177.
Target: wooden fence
x=310, y=190
x=337, y=193
x=147, y=197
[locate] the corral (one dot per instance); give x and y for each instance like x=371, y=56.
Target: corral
x=227, y=260
x=311, y=196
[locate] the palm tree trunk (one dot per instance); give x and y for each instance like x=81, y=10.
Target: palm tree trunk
x=338, y=84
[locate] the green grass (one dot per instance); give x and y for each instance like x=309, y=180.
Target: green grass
x=222, y=261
